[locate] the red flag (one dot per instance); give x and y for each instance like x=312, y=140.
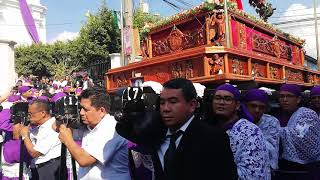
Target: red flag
x=239, y=3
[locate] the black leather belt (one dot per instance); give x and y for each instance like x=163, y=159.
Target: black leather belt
x=47, y=162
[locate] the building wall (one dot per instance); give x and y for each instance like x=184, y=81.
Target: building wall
x=12, y=27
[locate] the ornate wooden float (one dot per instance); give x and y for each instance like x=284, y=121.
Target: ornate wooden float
x=193, y=45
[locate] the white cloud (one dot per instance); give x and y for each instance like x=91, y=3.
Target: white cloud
x=64, y=36
x=299, y=21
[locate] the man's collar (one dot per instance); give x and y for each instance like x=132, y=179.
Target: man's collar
x=183, y=127
x=105, y=117
x=48, y=122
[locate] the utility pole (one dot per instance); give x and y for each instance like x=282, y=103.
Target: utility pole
x=226, y=21
x=127, y=32
x=315, y=4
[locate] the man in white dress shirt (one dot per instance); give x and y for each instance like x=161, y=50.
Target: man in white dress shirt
x=104, y=153
x=42, y=142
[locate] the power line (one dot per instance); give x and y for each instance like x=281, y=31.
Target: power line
x=295, y=21
x=293, y=15
x=291, y=10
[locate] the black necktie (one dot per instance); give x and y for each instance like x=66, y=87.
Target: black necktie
x=169, y=156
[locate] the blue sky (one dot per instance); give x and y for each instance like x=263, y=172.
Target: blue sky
x=69, y=15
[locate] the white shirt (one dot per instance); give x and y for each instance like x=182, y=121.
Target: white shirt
x=110, y=150
x=46, y=141
x=166, y=143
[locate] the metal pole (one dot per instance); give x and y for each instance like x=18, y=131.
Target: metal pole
x=226, y=21
x=122, y=58
x=316, y=30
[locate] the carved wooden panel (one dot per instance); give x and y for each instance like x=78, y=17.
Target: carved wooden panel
x=258, y=69
x=178, y=39
x=216, y=64
x=294, y=75
x=275, y=71
x=120, y=80
x=273, y=47
x=309, y=78
x=238, y=66
x=317, y=79
x=242, y=36
x=186, y=69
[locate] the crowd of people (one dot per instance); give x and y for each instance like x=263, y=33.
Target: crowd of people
x=236, y=140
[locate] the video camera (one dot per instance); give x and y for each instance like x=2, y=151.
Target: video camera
x=66, y=111
x=19, y=113
x=137, y=111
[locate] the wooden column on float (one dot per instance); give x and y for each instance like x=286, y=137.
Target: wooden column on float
x=226, y=64
x=268, y=71
x=249, y=66
x=150, y=46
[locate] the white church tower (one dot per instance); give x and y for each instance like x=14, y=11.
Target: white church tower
x=12, y=26
x=13, y=32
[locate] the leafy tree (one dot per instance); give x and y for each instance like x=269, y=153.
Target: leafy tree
x=142, y=19
x=98, y=37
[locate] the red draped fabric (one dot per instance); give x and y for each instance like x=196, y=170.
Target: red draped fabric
x=239, y=2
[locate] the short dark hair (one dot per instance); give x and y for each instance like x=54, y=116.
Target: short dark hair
x=188, y=90
x=42, y=105
x=98, y=97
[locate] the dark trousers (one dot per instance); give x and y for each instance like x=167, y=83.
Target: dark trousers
x=47, y=171
x=294, y=171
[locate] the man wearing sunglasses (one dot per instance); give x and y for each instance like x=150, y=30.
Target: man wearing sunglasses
x=42, y=142
x=257, y=104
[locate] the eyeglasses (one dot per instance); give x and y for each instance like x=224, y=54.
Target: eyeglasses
x=287, y=96
x=225, y=99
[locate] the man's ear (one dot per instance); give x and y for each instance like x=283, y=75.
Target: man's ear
x=299, y=99
x=238, y=105
x=194, y=104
